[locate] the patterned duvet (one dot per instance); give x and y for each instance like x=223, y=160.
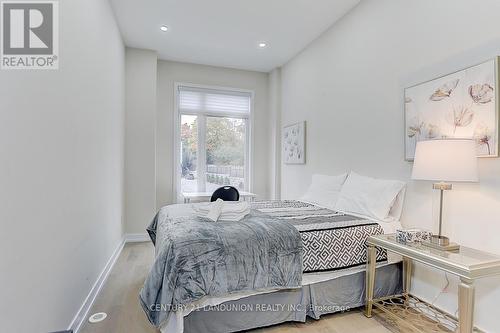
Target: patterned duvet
x=330, y=240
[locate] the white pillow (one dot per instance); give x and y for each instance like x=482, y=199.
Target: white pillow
x=397, y=207
x=324, y=190
x=371, y=197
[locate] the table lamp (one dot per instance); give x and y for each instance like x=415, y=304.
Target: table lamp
x=444, y=161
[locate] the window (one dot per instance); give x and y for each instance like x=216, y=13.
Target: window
x=213, y=147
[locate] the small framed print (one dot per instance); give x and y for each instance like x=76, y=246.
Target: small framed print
x=294, y=143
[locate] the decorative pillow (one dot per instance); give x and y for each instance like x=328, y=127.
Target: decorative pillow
x=324, y=190
x=371, y=197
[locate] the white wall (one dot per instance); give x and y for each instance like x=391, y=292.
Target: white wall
x=170, y=72
x=348, y=86
x=140, y=117
x=61, y=172
x=275, y=132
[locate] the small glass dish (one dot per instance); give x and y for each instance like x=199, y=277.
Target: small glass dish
x=413, y=235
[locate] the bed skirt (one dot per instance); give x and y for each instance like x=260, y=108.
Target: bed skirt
x=315, y=300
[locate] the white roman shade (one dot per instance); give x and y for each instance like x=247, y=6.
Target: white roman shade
x=211, y=101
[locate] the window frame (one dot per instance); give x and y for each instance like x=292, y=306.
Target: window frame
x=249, y=149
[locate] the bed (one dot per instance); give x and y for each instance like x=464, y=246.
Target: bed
x=283, y=262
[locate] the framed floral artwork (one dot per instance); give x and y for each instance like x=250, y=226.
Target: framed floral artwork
x=463, y=104
x=294, y=143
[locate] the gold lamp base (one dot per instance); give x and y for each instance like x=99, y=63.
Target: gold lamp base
x=440, y=240
x=441, y=243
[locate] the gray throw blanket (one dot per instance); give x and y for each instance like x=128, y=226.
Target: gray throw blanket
x=196, y=258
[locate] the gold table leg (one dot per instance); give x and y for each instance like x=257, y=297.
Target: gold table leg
x=465, y=306
x=407, y=272
x=371, y=255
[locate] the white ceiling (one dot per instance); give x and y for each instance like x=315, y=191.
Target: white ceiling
x=226, y=32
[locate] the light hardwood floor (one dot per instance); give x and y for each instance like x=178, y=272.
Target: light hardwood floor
x=119, y=299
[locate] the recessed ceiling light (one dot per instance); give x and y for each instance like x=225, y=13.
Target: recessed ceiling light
x=164, y=28
x=262, y=45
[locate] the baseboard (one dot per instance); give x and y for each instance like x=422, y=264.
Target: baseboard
x=82, y=313
x=134, y=238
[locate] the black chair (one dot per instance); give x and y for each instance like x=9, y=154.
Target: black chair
x=226, y=193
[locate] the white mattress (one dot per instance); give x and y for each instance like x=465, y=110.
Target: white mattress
x=175, y=322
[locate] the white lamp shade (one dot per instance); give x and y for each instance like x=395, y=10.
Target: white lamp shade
x=451, y=160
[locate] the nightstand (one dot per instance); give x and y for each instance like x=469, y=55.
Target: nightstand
x=468, y=264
